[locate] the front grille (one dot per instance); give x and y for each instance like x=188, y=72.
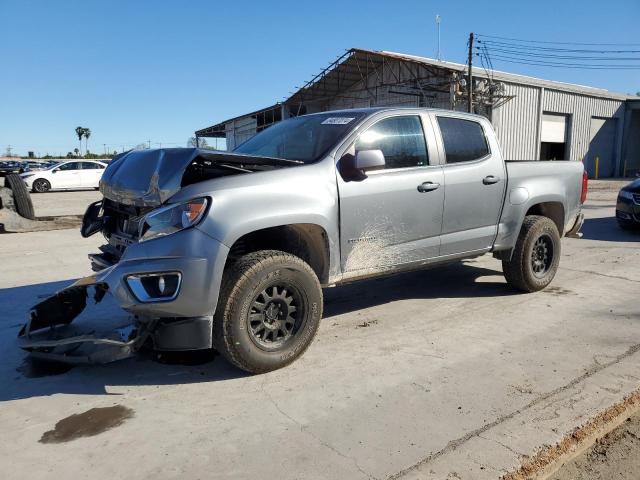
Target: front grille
x=123, y=223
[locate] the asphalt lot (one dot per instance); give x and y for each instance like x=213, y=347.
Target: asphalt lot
x=445, y=373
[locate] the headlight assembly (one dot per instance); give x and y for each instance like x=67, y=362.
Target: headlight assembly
x=172, y=218
x=625, y=194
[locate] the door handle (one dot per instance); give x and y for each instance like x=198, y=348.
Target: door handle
x=428, y=187
x=490, y=180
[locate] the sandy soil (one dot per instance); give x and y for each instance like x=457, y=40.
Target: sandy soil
x=616, y=455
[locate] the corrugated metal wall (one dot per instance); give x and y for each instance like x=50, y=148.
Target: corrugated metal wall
x=582, y=108
x=516, y=122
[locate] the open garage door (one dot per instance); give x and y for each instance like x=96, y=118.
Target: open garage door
x=600, y=161
x=553, y=136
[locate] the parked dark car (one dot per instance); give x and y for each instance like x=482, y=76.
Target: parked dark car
x=9, y=167
x=628, y=205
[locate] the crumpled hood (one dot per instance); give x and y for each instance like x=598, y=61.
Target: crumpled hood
x=148, y=178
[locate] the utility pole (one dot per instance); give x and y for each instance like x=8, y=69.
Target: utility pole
x=8, y=150
x=149, y=142
x=439, y=57
x=104, y=145
x=470, y=76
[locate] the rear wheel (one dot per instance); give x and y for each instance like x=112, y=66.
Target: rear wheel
x=536, y=256
x=269, y=310
x=21, y=197
x=41, y=185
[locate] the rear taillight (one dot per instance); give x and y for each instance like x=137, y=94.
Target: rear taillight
x=585, y=181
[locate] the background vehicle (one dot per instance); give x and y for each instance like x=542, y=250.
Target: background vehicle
x=231, y=249
x=32, y=165
x=9, y=167
x=74, y=174
x=628, y=205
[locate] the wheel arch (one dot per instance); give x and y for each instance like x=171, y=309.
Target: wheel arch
x=308, y=241
x=553, y=210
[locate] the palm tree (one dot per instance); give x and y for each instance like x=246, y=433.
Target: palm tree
x=87, y=134
x=80, y=133
x=76, y=151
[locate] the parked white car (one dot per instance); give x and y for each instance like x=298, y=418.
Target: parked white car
x=65, y=176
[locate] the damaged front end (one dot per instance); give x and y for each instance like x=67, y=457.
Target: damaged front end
x=49, y=333
x=162, y=292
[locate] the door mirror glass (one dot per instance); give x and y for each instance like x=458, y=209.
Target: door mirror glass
x=55, y=170
x=369, y=160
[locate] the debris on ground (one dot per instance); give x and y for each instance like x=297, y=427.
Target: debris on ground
x=616, y=455
x=367, y=323
x=548, y=458
x=17, y=214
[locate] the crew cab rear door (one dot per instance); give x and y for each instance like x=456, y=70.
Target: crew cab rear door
x=474, y=182
x=391, y=216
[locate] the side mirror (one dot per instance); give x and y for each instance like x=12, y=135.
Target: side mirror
x=369, y=160
x=55, y=170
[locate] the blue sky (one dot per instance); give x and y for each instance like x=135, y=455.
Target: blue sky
x=134, y=71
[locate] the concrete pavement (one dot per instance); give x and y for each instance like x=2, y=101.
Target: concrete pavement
x=446, y=373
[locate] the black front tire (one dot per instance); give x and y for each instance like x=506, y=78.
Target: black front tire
x=536, y=256
x=268, y=312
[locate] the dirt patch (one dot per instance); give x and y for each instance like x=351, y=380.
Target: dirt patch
x=367, y=323
x=87, y=424
x=545, y=460
x=558, y=291
x=11, y=222
x=616, y=455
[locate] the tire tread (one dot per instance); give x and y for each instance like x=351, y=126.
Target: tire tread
x=515, y=269
x=235, y=277
x=21, y=197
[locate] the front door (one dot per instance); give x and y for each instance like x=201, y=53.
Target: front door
x=67, y=175
x=392, y=216
x=475, y=181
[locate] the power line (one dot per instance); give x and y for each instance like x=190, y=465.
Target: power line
x=558, y=43
x=551, y=49
x=525, y=61
x=545, y=55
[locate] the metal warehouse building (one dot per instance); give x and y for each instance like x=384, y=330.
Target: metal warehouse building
x=533, y=118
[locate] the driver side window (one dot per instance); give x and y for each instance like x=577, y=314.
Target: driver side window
x=401, y=140
x=70, y=166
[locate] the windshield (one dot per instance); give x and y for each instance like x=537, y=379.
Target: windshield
x=305, y=138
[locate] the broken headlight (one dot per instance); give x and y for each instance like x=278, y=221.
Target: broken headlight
x=172, y=218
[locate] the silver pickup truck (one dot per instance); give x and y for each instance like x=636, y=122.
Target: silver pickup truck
x=231, y=250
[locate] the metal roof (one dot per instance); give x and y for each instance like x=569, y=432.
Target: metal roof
x=218, y=130
x=356, y=63
x=514, y=77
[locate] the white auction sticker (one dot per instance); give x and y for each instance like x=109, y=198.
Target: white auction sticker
x=337, y=120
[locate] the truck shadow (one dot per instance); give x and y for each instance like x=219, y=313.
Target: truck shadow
x=456, y=280
x=606, y=229
x=21, y=377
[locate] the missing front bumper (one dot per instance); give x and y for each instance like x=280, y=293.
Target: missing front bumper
x=83, y=324
x=49, y=333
